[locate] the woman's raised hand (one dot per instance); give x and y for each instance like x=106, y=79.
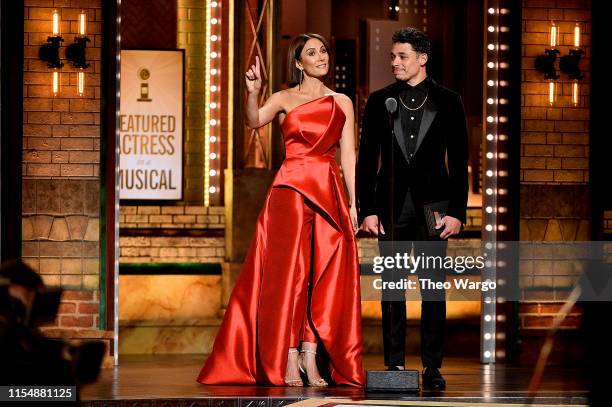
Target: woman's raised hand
x=253, y=77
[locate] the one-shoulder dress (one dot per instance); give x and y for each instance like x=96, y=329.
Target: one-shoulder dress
x=300, y=277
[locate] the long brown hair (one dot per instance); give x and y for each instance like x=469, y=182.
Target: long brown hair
x=295, y=52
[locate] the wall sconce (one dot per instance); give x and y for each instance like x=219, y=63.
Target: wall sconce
x=545, y=63
x=50, y=52
x=75, y=52
x=569, y=64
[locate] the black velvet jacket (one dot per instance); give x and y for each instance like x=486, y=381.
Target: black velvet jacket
x=385, y=171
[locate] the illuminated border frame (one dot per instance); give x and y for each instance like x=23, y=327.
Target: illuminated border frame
x=117, y=189
x=496, y=112
x=212, y=101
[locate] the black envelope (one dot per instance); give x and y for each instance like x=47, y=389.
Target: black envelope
x=433, y=212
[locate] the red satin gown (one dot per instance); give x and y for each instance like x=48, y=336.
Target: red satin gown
x=303, y=237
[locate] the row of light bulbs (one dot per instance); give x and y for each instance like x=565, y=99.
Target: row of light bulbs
x=212, y=148
x=493, y=85
x=117, y=190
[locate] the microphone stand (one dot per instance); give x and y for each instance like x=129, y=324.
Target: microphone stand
x=391, y=105
x=402, y=381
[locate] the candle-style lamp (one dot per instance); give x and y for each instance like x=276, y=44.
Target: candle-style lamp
x=56, y=83
x=553, y=35
x=545, y=63
x=75, y=52
x=577, y=36
x=49, y=52
x=82, y=23
x=552, y=92
x=570, y=64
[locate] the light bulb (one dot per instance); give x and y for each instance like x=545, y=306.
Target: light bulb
x=82, y=23
x=56, y=83
x=81, y=82
x=554, y=35
x=577, y=36
x=56, y=23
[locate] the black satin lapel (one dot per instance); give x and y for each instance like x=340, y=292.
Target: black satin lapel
x=429, y=113
x=399, y=134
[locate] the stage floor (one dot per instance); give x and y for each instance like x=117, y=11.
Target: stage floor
x=171, y=379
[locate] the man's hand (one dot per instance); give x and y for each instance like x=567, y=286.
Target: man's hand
x=452, y=226
x=371, y=225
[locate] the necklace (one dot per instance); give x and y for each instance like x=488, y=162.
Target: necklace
x=408, y=108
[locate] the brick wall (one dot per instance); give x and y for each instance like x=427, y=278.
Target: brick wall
x=61, y=159
x=554, y=156
x=171, y=249
x=541, y=315
x=554, y=138
x=78, y=313
x=182, y=217
x=79, y=309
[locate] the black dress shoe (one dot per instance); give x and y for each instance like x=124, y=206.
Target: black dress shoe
x=395, y=368
x=432, y=379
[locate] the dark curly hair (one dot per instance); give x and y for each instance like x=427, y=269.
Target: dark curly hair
x=418, y=39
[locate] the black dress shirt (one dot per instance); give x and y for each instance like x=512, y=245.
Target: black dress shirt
x=414, y=98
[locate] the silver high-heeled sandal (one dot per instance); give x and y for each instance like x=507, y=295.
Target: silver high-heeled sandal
x=320, y=382
x=294, y=382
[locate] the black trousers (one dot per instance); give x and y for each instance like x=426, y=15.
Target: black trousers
x=411, y=233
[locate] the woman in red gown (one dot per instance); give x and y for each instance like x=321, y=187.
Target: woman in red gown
x=298, y=289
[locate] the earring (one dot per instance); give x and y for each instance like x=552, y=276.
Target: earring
x=301, y=79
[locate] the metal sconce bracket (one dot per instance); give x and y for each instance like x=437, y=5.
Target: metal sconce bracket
x=75, y=52
x=570, y=64
x=545, y=63
x=49, y=52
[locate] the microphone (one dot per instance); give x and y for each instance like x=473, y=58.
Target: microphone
x=391, y=105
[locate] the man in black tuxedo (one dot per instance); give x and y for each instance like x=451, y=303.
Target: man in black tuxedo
x=402, y=167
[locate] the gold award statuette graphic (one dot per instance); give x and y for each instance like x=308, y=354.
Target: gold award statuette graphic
x=144, y=75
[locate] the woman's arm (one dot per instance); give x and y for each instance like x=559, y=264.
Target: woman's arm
x=259, y=116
